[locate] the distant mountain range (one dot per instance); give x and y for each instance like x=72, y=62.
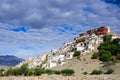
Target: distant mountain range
x=9, y=60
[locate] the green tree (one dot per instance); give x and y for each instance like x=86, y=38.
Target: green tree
x=116, y=41
x=107, y=38
x=95, y=56
x=105, y=55
x=112, y=47
x=76, y=53
x=24, y=69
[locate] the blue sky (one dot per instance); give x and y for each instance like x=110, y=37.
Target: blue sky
x=28, y=28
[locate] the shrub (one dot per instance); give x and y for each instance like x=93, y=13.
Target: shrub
x=49, y=71
x=95, y=56
x=1, y=72
x=9, y=72
x=109, y=63
x=76, y=53
x=34, y=71
x=105, y=55
x=38, y=71
x=111, y=47
x=17, y=72
x=116, y=41
x=24, y=69
x=107, y=38
x=96, y=72
x=85, y=73
x=57, y=72
x=109, y=71
x=30, y=72
x=67, y=72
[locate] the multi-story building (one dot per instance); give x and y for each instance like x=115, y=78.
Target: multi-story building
x=100, y=31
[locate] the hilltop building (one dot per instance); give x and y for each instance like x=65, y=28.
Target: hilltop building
x=85, y=43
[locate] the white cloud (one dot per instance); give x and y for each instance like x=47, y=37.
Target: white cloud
x=42, y=16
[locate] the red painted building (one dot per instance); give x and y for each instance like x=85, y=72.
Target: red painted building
x=99, y=31
x=102, y=31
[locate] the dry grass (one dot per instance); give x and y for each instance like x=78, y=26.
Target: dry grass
x=59, y=77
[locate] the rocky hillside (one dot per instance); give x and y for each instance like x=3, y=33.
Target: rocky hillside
x=86, y=43
x=9, y=60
